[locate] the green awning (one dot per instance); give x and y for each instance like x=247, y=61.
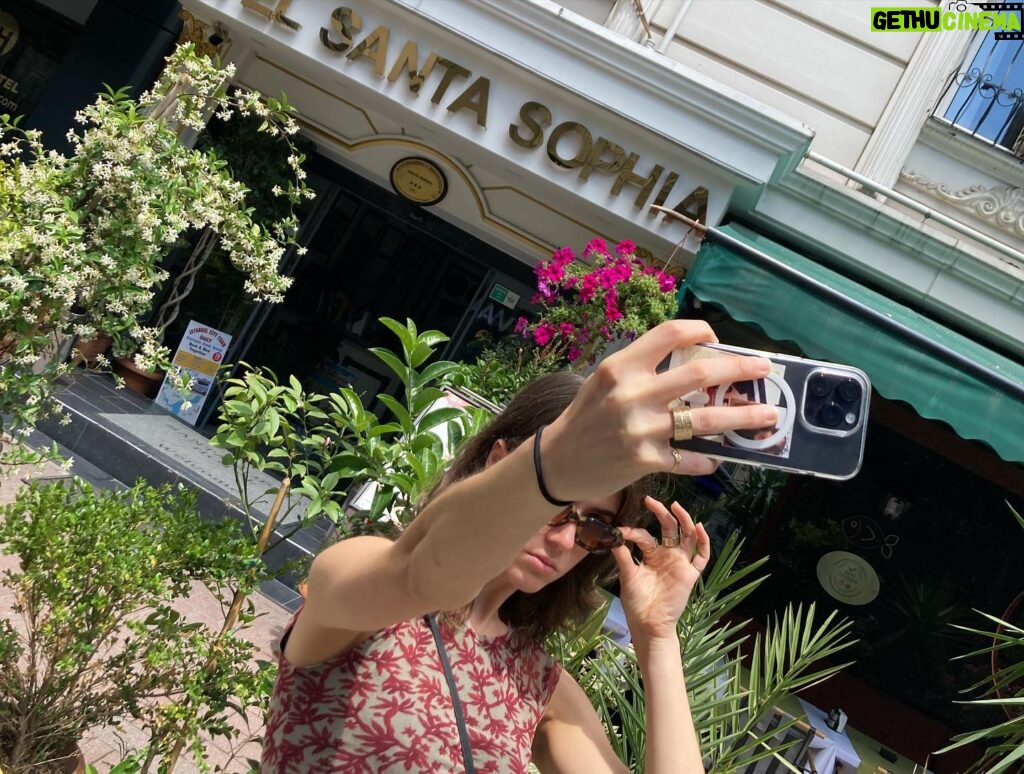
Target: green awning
x=942, y=374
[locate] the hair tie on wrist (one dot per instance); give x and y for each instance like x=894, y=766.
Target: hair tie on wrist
x=540, y=475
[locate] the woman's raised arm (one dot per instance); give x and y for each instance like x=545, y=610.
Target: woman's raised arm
x=616, y=431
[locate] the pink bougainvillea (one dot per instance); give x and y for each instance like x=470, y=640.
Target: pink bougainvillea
x=585, y=303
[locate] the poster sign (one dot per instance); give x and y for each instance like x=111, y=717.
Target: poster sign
x=504, y=296
x=200, y=354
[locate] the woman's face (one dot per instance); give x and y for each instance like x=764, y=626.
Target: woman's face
x=552, y=551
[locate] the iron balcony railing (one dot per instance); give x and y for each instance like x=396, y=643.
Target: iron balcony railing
x=986, y=98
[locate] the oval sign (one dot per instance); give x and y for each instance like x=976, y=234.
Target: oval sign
x=848, y=578
x=419, y=180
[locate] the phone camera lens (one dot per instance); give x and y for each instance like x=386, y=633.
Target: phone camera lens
x=848, y=390
x=831, y=415
x=819, y=386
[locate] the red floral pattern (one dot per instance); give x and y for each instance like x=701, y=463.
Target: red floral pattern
x=385, y=705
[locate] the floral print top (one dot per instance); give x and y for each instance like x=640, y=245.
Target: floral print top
x=385, y=707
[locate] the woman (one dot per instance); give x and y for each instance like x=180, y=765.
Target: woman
x=511, y=541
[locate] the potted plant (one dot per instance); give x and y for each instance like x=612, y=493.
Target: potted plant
x=586, y=305
x=94, y=636
x=130, y=371
x=1002, y=689
x=82, y=236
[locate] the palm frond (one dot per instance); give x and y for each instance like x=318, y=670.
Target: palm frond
x=728, y=707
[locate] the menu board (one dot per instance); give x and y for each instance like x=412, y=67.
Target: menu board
x=200, y=354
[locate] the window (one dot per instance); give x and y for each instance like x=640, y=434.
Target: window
x=985, y=97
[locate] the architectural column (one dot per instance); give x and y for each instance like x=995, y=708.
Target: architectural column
x=933, y=61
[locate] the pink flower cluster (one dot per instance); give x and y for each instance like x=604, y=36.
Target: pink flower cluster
x=586, y=302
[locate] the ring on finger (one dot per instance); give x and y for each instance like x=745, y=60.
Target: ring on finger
x=671, y=541
x=651, y=550
x=677, y=458
x=682, y=424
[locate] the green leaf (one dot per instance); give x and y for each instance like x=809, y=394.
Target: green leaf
x=400, y=412
x=439, y=417
x=406, y=333
x=330, y=482
x=436, y=371
x=392, y=361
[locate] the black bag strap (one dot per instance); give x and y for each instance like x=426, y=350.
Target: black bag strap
x=467, y=751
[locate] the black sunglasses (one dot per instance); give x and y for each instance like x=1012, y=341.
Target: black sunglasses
x=592, y=534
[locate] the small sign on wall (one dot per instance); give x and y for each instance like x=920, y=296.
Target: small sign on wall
x=504, y=296
x=200, y=353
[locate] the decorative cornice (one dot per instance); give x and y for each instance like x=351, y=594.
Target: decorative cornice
x=1001, y=206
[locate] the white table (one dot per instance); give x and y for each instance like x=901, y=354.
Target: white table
x=830, y=747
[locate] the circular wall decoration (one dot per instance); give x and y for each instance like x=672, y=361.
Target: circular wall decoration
x=848, y=578
x=419, y=180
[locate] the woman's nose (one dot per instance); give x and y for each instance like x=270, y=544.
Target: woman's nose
x=563, y=536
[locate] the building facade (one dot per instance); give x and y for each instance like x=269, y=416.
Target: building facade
x=455, y=143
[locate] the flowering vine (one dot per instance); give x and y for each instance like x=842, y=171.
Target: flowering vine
x=586, y=305
x=82, y=236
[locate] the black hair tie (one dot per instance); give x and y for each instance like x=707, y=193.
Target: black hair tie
x=540, y=475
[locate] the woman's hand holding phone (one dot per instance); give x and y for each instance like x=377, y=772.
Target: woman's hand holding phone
x=619, y=427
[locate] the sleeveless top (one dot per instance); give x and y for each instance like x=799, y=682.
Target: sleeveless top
x=385, y=706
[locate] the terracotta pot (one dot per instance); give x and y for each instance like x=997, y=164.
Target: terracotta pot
x=90, y=349
x=145, y=383
x=74, y=761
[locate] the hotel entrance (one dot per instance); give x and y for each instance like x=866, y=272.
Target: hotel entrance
x=370, y=253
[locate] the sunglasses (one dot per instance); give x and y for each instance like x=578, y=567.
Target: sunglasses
x=592, y=534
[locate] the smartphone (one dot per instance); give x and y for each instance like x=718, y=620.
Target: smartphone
x=823, y=413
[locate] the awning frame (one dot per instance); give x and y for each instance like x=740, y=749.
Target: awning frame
x=968, y=365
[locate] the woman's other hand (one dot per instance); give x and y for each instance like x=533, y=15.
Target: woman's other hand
x=654, y=592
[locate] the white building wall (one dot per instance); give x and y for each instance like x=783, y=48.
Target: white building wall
x=814, y=60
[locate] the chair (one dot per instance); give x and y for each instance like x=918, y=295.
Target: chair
x=799, y=753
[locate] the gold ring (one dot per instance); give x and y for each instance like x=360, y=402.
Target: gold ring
x=677, y=457
x=651, y=550
x=671, y=542
x=682, y=421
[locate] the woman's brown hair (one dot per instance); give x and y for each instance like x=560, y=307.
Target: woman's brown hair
x=569, y=599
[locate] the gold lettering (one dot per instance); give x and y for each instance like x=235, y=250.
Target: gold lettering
x=536, y=125
x=375, y=48
x=586, y=143
x=474, y=98
x=594, y=161
x=276, y=14
x=407, y=62
x=451, y=70
x=346, y=23
x=628, y=177
x=666, y=189
x=695, y=205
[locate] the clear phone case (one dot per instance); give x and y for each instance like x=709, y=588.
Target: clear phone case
x=823, y=412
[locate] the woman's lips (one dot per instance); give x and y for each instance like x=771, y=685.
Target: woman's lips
x=541, y=562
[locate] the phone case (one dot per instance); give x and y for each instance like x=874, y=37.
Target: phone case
x=823, y=412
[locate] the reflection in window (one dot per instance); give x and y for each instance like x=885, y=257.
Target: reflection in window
x=984, y=98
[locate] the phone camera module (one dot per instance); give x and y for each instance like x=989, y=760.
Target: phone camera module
x=848, y=390
x=831, y=415
x=819, y=386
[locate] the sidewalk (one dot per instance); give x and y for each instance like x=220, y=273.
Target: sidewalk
x=104, y=747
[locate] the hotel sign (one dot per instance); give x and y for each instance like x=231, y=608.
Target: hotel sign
x=572, y=143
